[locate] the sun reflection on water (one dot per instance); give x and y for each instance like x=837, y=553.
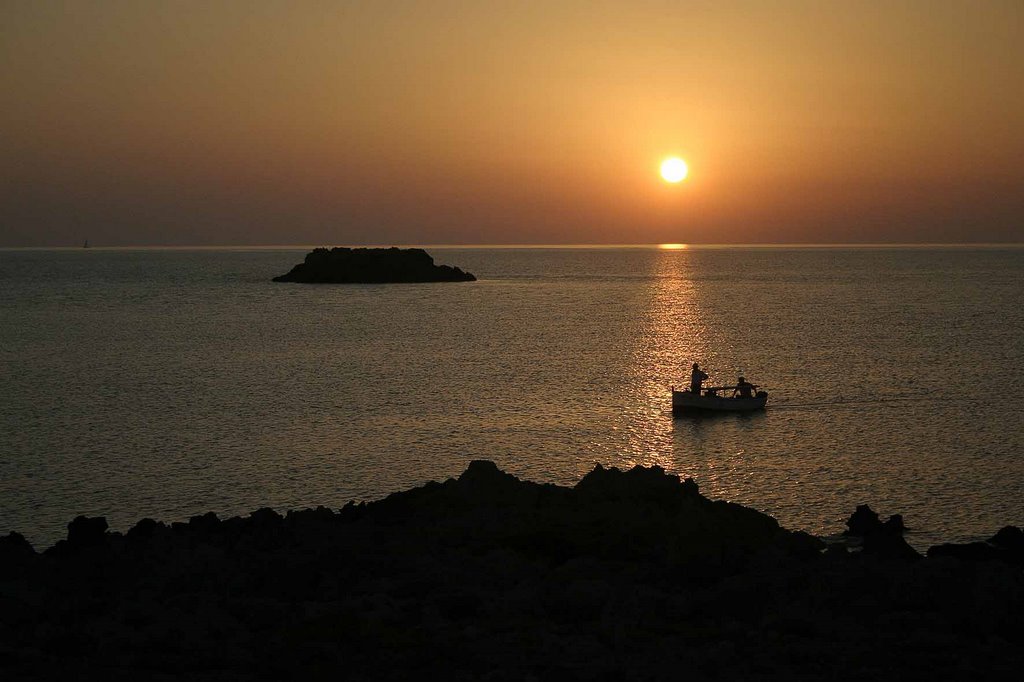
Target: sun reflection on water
x=673, y=335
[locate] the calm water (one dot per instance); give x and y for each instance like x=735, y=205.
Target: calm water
x=167, y=383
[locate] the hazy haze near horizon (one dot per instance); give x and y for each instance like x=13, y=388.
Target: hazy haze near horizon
x=392, y=122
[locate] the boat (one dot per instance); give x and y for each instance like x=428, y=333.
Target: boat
x=686, y=402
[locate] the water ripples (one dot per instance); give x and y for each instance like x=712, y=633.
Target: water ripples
x=167, y=384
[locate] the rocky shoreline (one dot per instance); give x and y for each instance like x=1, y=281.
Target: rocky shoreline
x=626, y=576
x=371, y=266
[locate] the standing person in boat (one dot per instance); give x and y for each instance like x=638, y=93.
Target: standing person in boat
x=743, y=389
x=696, y=377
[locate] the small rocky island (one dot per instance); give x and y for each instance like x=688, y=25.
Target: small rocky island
x=342, y=265
x=628, y=575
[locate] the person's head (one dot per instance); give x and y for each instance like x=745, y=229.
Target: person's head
x=742, y=380
x=695, y=365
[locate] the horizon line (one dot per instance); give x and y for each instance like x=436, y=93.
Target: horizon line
x=582, y=245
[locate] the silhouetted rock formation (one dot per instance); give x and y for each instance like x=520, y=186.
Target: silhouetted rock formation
x=629, y=575
x=864, y=520
x=371, y=266
x=85, y=531
x=15, y=554
x=880, y=539
x=1006, y=546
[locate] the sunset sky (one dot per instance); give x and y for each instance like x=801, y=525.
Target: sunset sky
x=510, y=122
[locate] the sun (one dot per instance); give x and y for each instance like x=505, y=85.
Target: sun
x=674, y=169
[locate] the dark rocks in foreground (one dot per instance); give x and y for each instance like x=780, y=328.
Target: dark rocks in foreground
x=878, y=538
x=627, y=576
x=1007, y=546
x=371, y=266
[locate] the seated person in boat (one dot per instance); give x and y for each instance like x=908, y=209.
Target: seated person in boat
x=743, y=389
x=696, y=377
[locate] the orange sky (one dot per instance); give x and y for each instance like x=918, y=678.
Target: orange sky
x=521, y=122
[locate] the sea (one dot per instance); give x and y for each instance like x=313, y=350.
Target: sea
x=166, y=383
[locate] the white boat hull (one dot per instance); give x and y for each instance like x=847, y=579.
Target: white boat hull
x=684, y=402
